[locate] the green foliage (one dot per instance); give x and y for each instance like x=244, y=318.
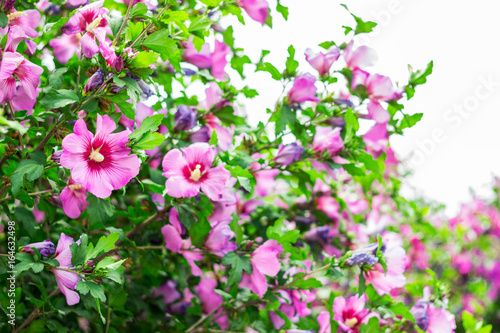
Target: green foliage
x=238, y=265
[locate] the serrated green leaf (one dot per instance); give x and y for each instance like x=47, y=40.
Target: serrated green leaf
x=59, y=98
x=150, y=141
x=238, y=265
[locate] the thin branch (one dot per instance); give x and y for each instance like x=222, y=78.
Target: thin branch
x=34, y=314
x=150, y=24
x=30, y=194
x=125, y=19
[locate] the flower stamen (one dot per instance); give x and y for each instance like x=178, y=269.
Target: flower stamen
x=96, y=156
x=196, y=173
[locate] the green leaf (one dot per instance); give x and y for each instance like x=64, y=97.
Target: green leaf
x=213, y=138
x=57, y=78
x=362, y=283
x=174, y=16
x=291, y=63
x=238, y=265
x=400, y=309
x=59, y=98
x=99, y=210
x=4, y=20
x=410, y=121
x=245, y=183
x=326, y=45
x=236, y=228
x=105, y=244
x=32, y=168
x=133, y=89
x=167, y=47
x=78, y=252
x=96, y=290
x=211, y=3
x=26, y=219
x=369, y=162
x=268, y=67
x=82, y=287
x=353, y=170
x=283, y=10
x=144, y=59
x=361, y=26
x=372, y=326
x=186, y=215
x=419, y=77
x=283, y=116
x=139, y=9
x=199, y=231
x=134, y=30
x=200, y=25
x=149, y=124
x=237, y=63
x=307, y=284
x=150, y=141
x=121, y=100
x=228, y=36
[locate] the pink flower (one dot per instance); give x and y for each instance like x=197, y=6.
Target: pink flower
x=376, y=139
x=328, y=139
x=329, y=206
x=324, y=322
x=66, y=281
x=303, y=89
x=101, y=163
x=256, y=9
x=45, y=248
x=74, y=199
x=351, y=314
x=65, y=47
x=27, y=20
x=217, y=241
x=167, y=291
x=384, y=282
x=224, y=135
x=173, y=241
x=210, y=301
x=15, y=65
x=322, y=61
x=22, y=101
x=287, y=154
x=264, y=262
x=215, y=61
x=363, y=56
x=91, y=22
x=431, y=319
x=293, y=305
x=189, y=170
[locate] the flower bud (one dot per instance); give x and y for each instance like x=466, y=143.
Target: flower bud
x=56, y=157
x=81, y=114
x=8, y=5
x=185, y=118
x=201, y=135
x=118, y=64
x=46, y=248
x=94, y=81
x=287, y=154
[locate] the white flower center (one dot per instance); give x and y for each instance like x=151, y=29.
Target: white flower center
x=96, y=156
x=196, y=173
x=95, y=23
x=351, y=322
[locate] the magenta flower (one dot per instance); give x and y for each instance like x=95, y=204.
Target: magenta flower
x=15, y=65
x=431, y=319
x=382, y=281
x=328, y=139
x=74, y=199
x=376, y=139
x=189, y=170
x=363, y=56
x=264, y=262
x=66, y=281
x=217, y=241
x=322, y=61
x=168, y=292
x=101, y=163
x=173, y=241
x=215, y=61
x=210, y=301
x=45, y=248
x=351, y=314
x=65, y=47
x=287, y=154
x=303, y=89
x=27, y=20
x=256, y=9
x=90, y=21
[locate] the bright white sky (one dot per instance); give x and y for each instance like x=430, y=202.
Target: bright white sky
x=462, y=39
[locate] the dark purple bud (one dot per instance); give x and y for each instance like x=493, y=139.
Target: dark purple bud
x=180, y=308
x=46, y=248
x=94, y=81
x=419, y=312
x=71, y=122
x=8, y=5
x=201, y=135
x=304, y=220
x=118, y=64
x=98, y=280
x=336, y=122
x=344, y=102
x=53, y=10
x=56, y=157
x=287, y=154
x=188, y=72
x=185, y=118
x=319, y=234
x=146, y=90
x=360, y=259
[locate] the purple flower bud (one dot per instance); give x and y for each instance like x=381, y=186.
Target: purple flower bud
x=360, y=259
x=336, y=122
x=341, y=101
x=71, y=122
x=46, y=248
x=94, y=81
x=53, y=10
x=56, y=157
x=188, y=72
x=419, y=312
x=201, y=135
x=118, y=64
x=8, y=5
x=287, y=154
x=146, y=90
x=185, y=118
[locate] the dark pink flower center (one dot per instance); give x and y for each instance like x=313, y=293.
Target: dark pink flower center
x=194, y=172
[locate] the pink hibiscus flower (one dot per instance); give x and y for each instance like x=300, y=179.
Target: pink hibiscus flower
x=303, y=89
x=363, y=56
x=384, y=282
x=101, y=163
x=189, y=170
x=15, y=65
x=65, y=47
x=91, y=22
x=74, y=199
x=431, y=319
x=210, y=301
x=256, y=9
x=322, y=61
x=66, y=281
x=264, y=262
x=205, y=59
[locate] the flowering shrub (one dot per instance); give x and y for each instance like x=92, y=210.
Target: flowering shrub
x=172, y=213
